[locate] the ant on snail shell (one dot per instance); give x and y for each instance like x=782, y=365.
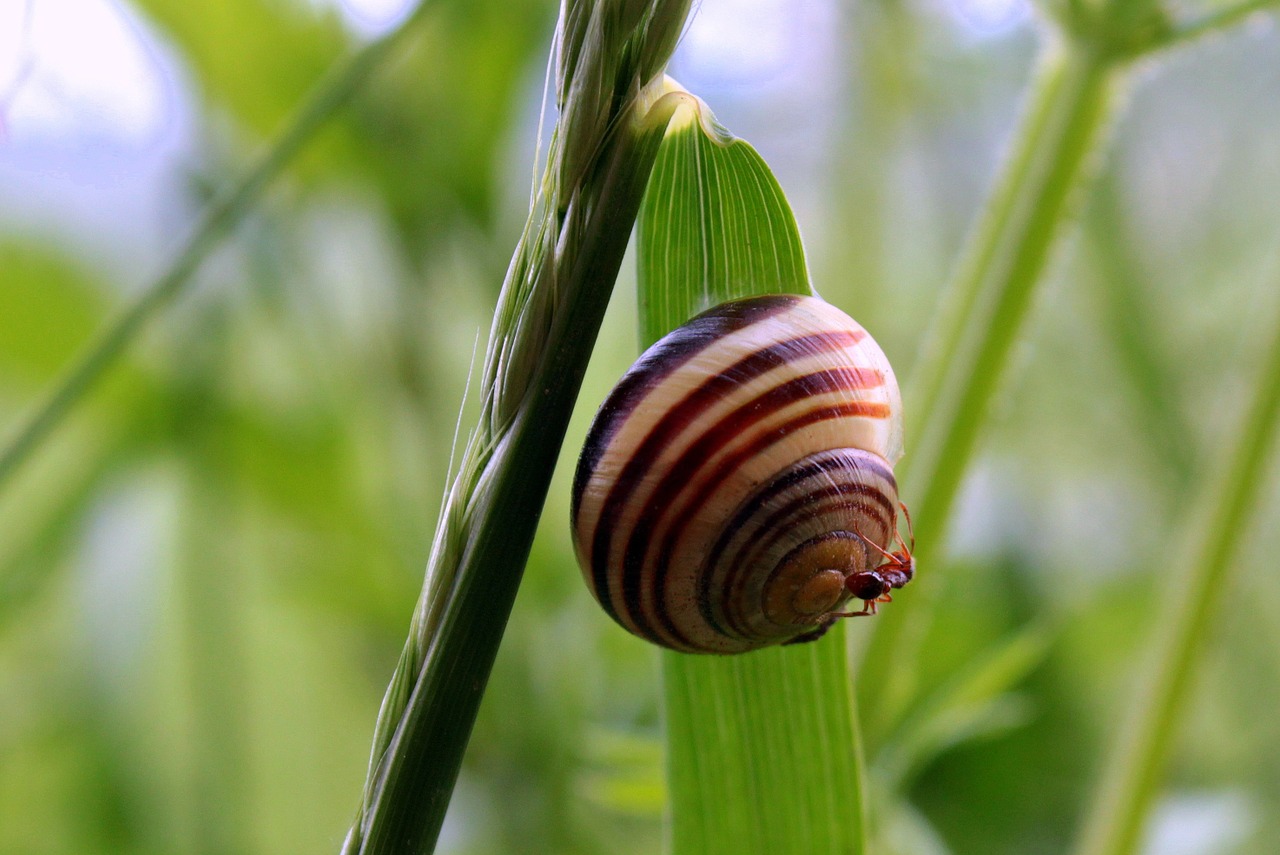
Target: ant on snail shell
x=898, y=568
x=873, y=586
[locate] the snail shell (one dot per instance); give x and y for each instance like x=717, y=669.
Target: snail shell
x=730, y=482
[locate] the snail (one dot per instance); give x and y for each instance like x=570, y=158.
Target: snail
x=736, y=488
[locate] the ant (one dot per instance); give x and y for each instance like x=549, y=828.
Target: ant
x=897, y=569
x=873, y=586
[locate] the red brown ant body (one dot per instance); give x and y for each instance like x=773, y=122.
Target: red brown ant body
x=897, y=569
x=873, y=586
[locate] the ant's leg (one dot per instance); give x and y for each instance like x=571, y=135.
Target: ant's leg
x=910, y=530
x=868, y=609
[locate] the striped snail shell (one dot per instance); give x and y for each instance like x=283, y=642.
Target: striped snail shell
x=736, y=488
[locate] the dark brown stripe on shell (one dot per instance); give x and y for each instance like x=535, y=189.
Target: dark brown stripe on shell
x=819, y=466
x=659, y=362
x=728, y=601
x=851, y=496
x=683, y=414
x=868, y=510
x=714, y=439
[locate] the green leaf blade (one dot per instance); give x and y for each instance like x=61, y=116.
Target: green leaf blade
x=763, y=751
x=715, y=226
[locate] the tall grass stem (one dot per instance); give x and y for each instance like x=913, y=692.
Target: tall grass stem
x=612, y=116
x=1204, y=563
x=1071, y=102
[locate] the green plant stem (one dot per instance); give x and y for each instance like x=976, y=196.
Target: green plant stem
x=1203, y=570
x=1214, y=22
x=1071, y=102
x=611, y=55
x=425, y=753
x=219, y=219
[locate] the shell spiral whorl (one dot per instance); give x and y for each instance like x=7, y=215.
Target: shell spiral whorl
x=731, y=481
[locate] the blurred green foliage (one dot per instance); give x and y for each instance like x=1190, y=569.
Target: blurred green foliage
x=206, y=575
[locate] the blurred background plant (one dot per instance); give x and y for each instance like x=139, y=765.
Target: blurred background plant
x=206, y=573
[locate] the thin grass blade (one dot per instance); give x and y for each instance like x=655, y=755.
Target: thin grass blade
x=221, y=217
x=1202, y=573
